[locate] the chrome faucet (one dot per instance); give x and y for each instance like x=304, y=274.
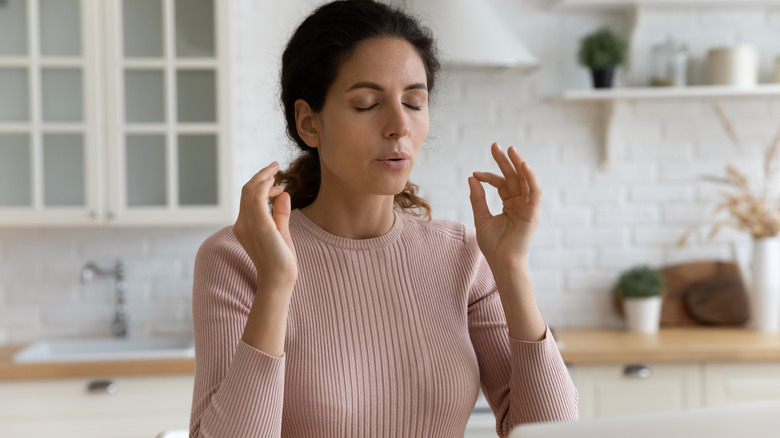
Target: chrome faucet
x=90, y=270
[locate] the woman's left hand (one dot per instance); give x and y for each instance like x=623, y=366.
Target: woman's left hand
x=505, y=239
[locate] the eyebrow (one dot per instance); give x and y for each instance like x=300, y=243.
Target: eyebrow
x=377, y=87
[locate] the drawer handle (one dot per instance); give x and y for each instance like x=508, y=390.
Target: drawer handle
x=102, y=387
x=637, y=371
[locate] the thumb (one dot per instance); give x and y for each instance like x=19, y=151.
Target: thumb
x=478, y=202
x=281, y=215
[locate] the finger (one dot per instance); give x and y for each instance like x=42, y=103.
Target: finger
x=264, y=173
x=264, y=188
x=535, y=190
x=491, y=178
x=281, y=215
x=478, y=202
x=496, y=181
x=507, y=169
x=257, y=199
x=253, y=194
x=517, y=161
x=275, y=191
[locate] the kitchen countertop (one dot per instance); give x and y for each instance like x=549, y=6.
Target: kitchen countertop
x=685, y=344
x=578, y=347
x=63, y=370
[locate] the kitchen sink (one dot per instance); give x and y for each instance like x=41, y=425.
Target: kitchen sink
x=105, y=349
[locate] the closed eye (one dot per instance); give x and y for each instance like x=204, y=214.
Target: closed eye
x=361, y=109
x=368, y=108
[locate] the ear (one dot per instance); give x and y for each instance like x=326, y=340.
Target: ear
x=307, y=123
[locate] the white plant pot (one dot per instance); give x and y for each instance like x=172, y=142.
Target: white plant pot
x=643, y=315
x=765, y=288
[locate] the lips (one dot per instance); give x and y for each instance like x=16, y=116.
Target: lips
x=394, y=160
x=394, y=156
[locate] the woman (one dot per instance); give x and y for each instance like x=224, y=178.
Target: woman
x=338, y=314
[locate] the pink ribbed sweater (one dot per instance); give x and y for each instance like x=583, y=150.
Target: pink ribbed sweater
x=387, y=337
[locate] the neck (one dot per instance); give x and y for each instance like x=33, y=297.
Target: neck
x=351, y=218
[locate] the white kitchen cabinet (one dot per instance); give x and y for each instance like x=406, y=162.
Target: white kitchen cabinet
x=606, y=390
x=689, y=367
x=734, y=383
x=114, y=112
x=138, y=407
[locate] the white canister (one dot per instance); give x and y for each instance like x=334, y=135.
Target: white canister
x=734, y=65
x=777, y=69
x=643, y=315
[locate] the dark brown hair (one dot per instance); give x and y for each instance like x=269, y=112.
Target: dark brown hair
x=310, y=64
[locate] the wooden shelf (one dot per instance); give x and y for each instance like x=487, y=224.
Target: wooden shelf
x=612, y=97
x=697, y=92
x=634, y=3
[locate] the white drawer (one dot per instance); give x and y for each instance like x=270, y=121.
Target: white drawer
x=138, y=407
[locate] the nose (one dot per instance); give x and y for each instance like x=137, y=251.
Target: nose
x=397, y=123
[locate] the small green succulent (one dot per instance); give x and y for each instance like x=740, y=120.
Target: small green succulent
x=640, y=282
x=602, y=49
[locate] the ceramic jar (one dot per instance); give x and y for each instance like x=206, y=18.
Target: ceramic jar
x=764, y=290
x=733, y=66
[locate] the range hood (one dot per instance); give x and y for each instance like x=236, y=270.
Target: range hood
x=470, y=33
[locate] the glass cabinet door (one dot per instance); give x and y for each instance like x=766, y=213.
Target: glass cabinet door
x=111, y=111
x=16, y=169
x=169, y=151
x=46, y=128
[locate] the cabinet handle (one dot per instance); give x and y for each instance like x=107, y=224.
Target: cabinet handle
x=93, y=214
x=637, y=371
x=102, y=387
x=111, y=215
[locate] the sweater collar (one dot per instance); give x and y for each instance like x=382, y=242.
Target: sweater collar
x=358, y=244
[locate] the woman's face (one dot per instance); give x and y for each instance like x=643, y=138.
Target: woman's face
x=374, y=120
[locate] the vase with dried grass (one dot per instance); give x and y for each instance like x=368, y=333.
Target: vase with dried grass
x=757, y=212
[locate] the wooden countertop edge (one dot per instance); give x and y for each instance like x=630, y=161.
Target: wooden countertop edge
x=10, y=370
x=595, y=358
x=579, y=347
x=669, y=345
x=64, y=370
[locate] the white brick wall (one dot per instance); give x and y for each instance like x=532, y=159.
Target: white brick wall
x=41, y=294
x=594, y=222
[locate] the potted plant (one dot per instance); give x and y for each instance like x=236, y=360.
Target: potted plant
x=602, y=51
x=640, y=289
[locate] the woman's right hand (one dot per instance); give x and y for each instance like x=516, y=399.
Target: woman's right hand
x=265, y=236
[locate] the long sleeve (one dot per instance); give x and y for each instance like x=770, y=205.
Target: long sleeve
x=389, y=336
x=238, y=389
x=524, y=382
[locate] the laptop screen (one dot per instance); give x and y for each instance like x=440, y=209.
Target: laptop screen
x=754, y=420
